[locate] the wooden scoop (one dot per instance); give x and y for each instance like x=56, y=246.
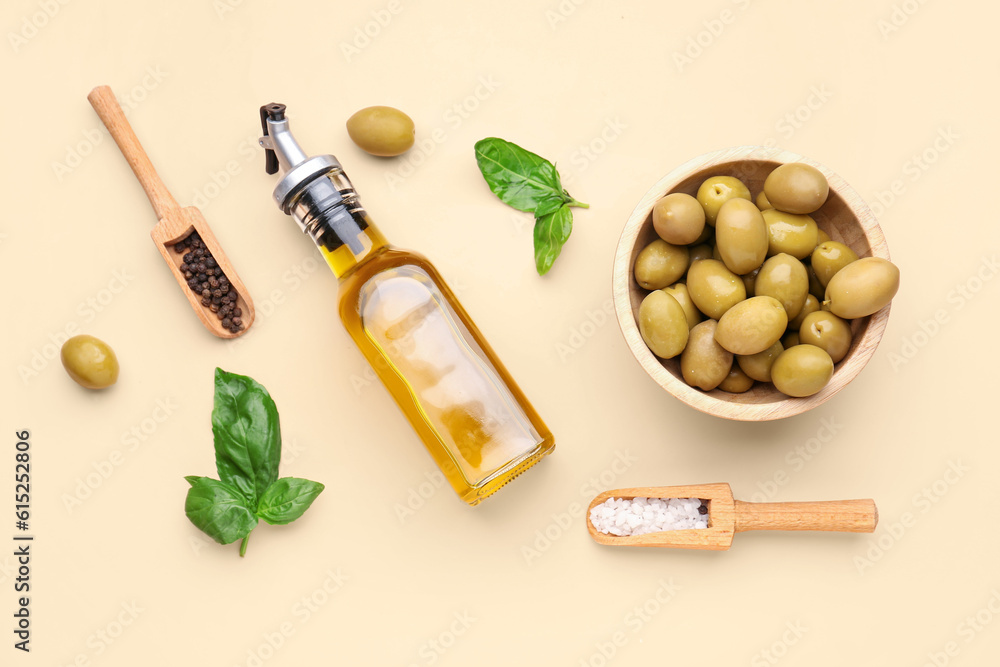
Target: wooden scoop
x=175, y=223
x=727, y=517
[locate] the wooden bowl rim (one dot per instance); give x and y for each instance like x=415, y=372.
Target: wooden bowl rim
x=715, y=402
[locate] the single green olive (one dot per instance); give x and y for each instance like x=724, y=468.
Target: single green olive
x=700, y=251
x=796, y=188
x=784, y=278
x=704, y=363
x=795, y=235
x=752, y=326
x=716, y=253
x=790, y=339
x=716, y=191
x=714, y=288
x=821, y=236
x=750, y=281
x=762, y=202
x=678, y=218
x=801, y=370
x=828, y=332
x=90, y=362
x=382, y=131
x=810, y=306
x=663, y=325
x=740, y=236
x=862, y=288
x=660, y=264
x=830, y=257
x=737, y=381
x=758, y=366
x=706, y=236
x=680, y=292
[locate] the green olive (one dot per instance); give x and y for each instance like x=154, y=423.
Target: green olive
x=678, y=218
x=737, y=381
x=821, y=236
x=663, y=324
x=861, y=288
x=762, y=202
x=706, y=236
x=795, y=235
x=750, y=281
x=752, y=326
x=382, y=131
x=784, y=278
x=660, y=264
x=830, y=257
x=680, y=292
x=700, y=251
x=740, y=236
x=790, y=339
x=796, y=188
x=716, y=191
x=716, y=253
x=810, y=306
x=828, y=332
x=90, y=362
x=816, y=288
x=704, y=363
x=801, y=370
x=714, y=288
x=758, y=366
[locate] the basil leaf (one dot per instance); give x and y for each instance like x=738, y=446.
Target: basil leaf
x=219, y=510
x=287, y=499
x=520, y=178
x=193, y=479
x=551, y=232
x=247, y=435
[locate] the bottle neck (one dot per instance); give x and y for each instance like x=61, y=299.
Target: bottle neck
x=331, y=214
x=343, y=258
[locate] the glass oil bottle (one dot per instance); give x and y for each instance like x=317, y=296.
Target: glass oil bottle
x=471, y=415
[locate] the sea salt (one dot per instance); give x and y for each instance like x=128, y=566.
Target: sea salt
x=621, y=516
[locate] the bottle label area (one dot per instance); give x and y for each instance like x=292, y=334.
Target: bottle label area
x=456, y=389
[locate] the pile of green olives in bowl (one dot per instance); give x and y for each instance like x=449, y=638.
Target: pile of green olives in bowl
x=753, y=283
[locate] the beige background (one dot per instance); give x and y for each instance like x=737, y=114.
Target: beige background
x=866, y=88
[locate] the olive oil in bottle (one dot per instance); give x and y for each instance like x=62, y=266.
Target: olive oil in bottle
x=471, y=415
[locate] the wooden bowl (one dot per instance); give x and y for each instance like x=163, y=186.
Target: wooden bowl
x=844, y=216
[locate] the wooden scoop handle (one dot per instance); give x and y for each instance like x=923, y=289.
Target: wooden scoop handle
x=852, y=516
x=111, y=114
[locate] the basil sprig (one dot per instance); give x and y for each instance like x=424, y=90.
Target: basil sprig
x=247, y=455
x=530, y=183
